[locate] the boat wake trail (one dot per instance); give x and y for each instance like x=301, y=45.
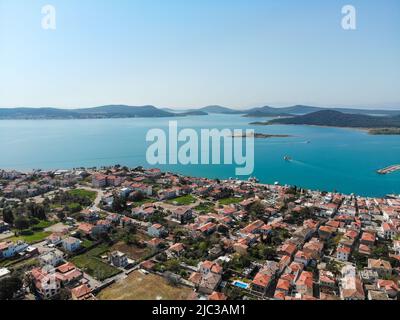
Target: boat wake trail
x=308, y=165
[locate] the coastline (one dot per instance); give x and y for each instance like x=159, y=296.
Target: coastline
x=366, y=130
x=199, y=176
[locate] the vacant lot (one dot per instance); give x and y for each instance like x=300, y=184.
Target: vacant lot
x=132, y=251
x=183, y=201
x=36, y=233
x=228, y=201
x=144, y=287
x=83, y=193
x=91, y=263
x=31, y=238
x=205, y=207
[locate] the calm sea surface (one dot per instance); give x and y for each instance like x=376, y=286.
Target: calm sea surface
x=345, y=160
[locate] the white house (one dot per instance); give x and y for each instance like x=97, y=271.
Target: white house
x=46, y=282
x=4, y=272
x=124, y=192
x=343, y=253
x=302, y=257
x=167, y=194
x=99, y=180
x=143, y=188
x=182, y=214
x=389, y=231
x=351, y=287
x=71, y=244
x=118, y=259
x=54, y=239
x=9, y=248
x=157, y=230
x=53, y=258
x=207, y=266
x=396, y=247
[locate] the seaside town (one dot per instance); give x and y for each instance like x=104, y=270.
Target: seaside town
x=118, y=233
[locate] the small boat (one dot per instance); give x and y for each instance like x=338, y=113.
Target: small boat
x=287, y=158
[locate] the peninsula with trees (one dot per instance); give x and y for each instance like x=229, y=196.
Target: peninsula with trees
x=331, y=118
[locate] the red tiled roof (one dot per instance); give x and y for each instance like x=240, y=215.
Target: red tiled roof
x=66, y=267
x=261, y=280
x=217, y=296
x=283, y=285
x=81, y=291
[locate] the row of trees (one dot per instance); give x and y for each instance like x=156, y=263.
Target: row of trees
x=24, y=215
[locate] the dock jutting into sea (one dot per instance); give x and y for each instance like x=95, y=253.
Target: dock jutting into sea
x=390, y=169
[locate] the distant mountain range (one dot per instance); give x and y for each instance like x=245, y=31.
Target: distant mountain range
x=110, y=111
x=268, y=111
x=302, y=110
x=124, y=111
x=334, y=118
x=220, y=110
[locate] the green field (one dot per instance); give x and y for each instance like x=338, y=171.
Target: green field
x=183, y=201
x=205, y=207
x=229, y=201
x=42, y=225
x=142, y=202
x=33, y=238
x=86, y=243
x=83, y=193
x=91, y=263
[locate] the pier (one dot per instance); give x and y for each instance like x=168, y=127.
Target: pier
x=390, y=169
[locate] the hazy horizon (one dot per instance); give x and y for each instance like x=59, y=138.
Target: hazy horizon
x=392, y=107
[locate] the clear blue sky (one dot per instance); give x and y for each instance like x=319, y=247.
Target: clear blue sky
x=190, y=53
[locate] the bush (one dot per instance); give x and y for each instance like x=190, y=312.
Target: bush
x=27, y=232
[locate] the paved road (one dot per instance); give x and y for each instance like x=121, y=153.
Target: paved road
x=100, y=194
x=6, y=235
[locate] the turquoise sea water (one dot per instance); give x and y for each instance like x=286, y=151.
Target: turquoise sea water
x=345, y=160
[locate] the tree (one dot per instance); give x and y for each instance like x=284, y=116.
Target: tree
x=162, y=257
x=137, y=196
x=203, y=246
x=61, y=215
x=240, y=261
x=119, y=204
x=172, y=265
x=223, y=229
x=64, y=294
x=257, y=209
x=104, y=237
x=9, y=287
x=36, y=210
x=172, y=279
x=21, y=223
x=8, y=216
x=178, y=234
